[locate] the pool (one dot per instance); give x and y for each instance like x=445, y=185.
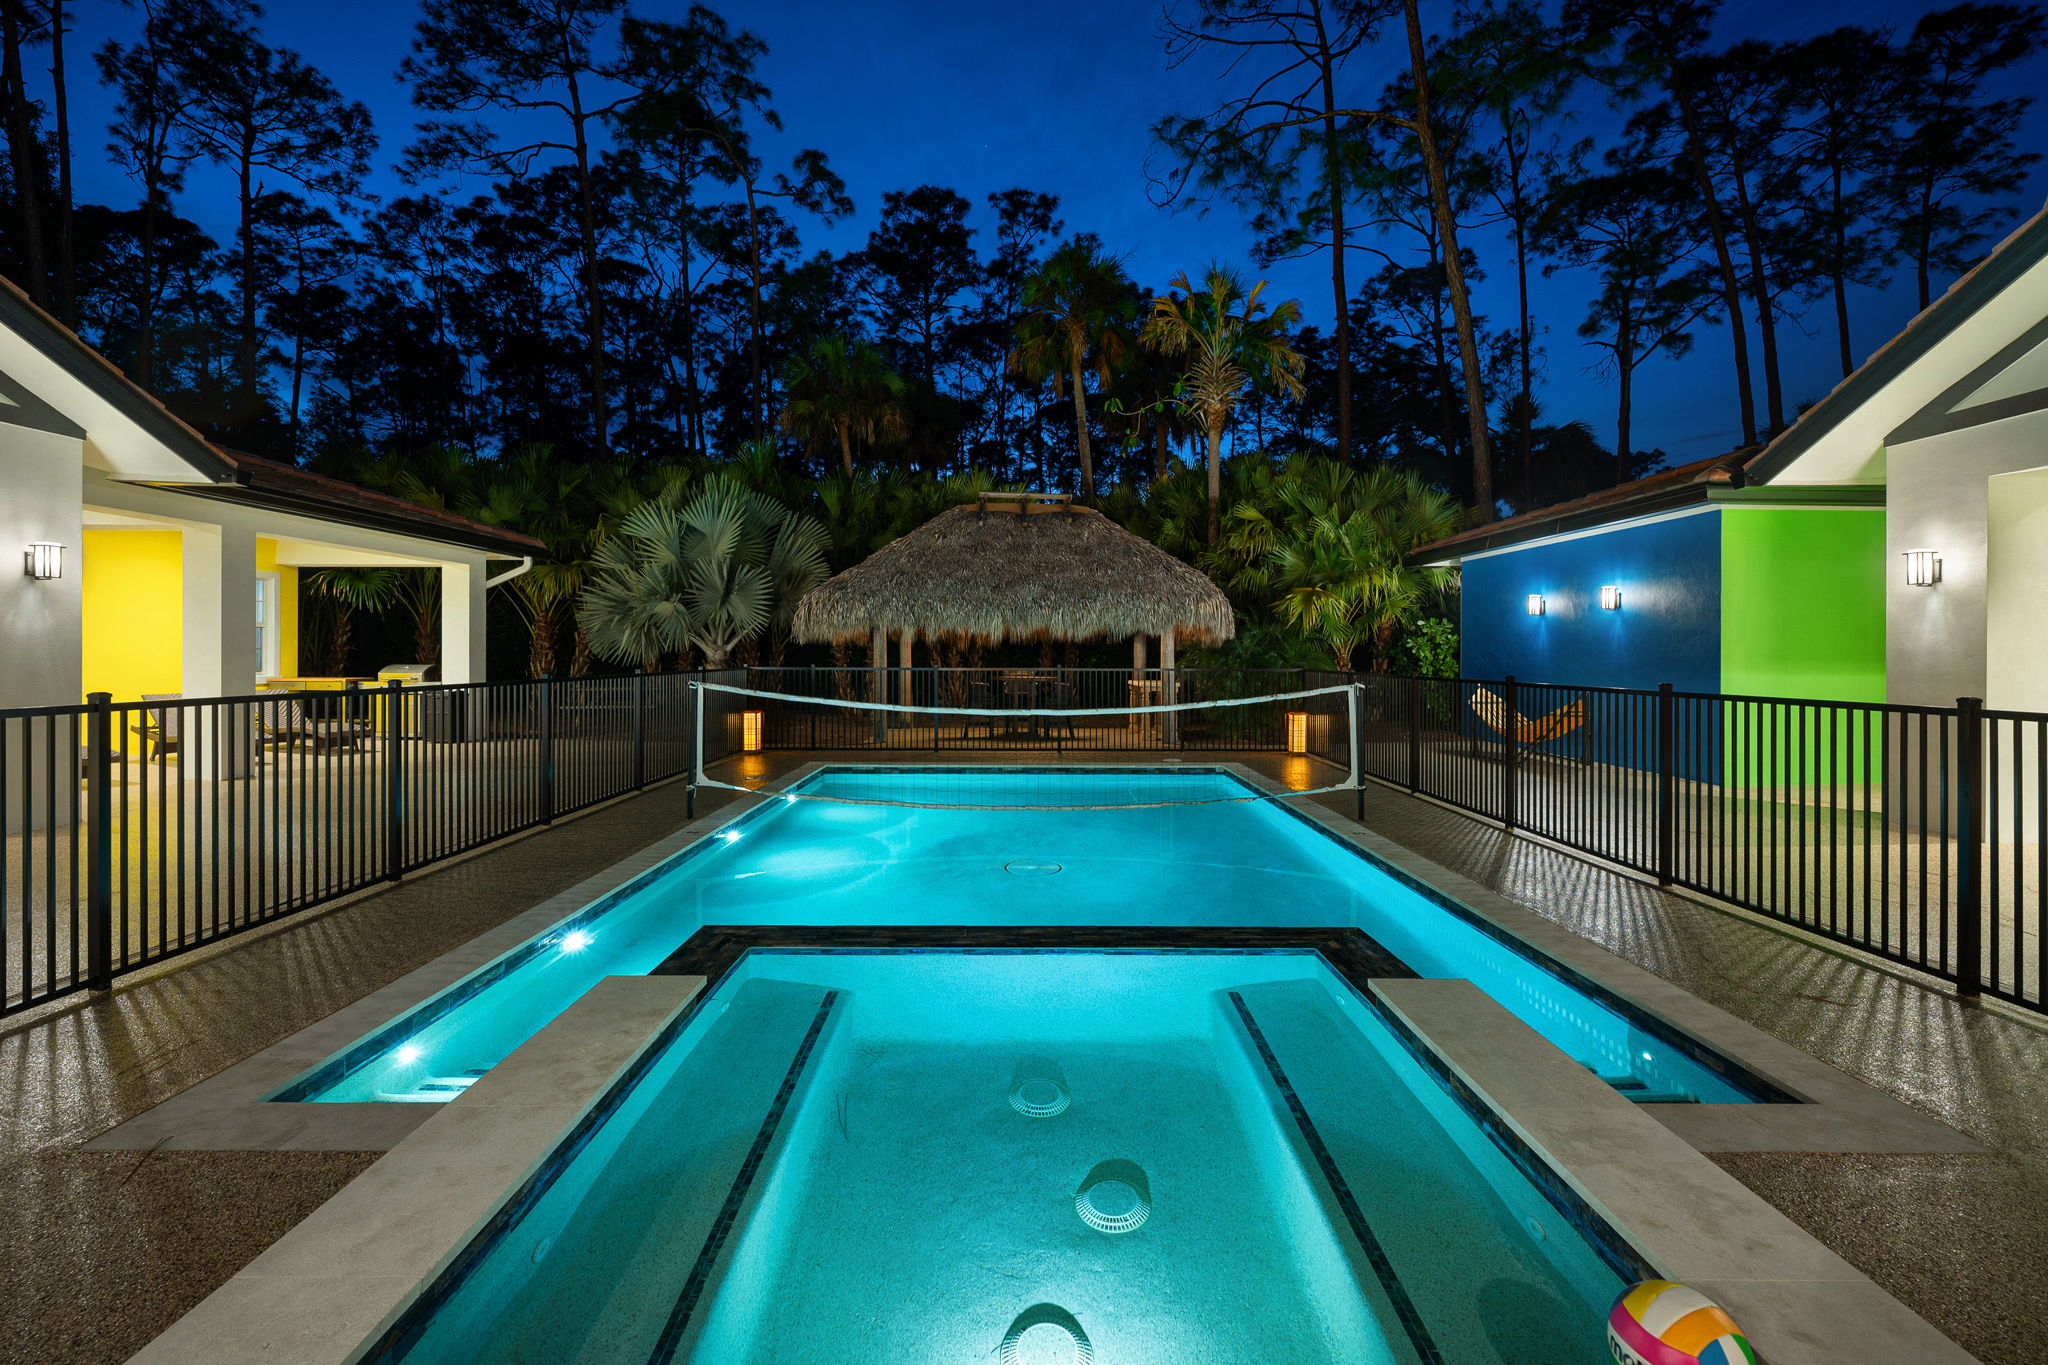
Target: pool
x=1183, y=846
x=1131, y=1159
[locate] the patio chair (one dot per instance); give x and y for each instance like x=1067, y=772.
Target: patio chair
x=162, y=727
x=284, y=722
x=1524, y=731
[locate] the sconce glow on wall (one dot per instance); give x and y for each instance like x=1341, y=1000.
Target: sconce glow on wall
x=750, y=732
x=1610, y=598
x=1923, y=568
x=1535, y=604
x=43, y=559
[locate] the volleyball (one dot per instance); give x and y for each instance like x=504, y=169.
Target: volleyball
x=1661, y=1323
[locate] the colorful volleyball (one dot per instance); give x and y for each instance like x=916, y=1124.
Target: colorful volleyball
x=1662, y=1323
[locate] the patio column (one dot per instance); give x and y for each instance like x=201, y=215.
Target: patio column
x=219, y=603
x=462, y=623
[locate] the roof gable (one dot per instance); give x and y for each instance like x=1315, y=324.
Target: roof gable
x=1928, y=375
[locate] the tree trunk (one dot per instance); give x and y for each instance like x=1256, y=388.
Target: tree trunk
x=1525, y=413
x=540, y=643
x=1159, y=451
x=1340, y=336
x=1624, y=370
x=1760, y=291
x=593, y=304
x=1923, y=246
x=1841, y=240
x=245, y=341
x=1215, y=433
x=754, y=309
x=60, y=105
x=1724, y=259
x=846, y=448
x=22, y=154
x=1454, y=269
x=1081, y=432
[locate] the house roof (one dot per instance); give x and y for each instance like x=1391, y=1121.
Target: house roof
x=287, y=488
x=237, y=476
x=1659, y=492
x=2007, y=262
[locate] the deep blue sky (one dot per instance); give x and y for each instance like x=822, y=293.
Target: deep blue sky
x=1057, y=95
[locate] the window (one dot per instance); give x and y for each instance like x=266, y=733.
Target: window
x=266, y=625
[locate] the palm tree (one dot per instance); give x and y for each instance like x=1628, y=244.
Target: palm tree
x=1079, y=306
x=845, y=391
x=698, y=571
x=1229, y=343
x=344, y=592
x=1328, y=546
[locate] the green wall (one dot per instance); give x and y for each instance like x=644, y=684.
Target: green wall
x=1802, y=602
x=1802, y=615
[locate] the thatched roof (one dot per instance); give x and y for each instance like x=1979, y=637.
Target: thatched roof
x=1018, y=571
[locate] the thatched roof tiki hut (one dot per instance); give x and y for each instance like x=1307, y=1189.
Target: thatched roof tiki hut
x=1017, y=566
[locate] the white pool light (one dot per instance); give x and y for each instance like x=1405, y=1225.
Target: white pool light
x=408, y=1054
x=575, y=941
x=731, y=836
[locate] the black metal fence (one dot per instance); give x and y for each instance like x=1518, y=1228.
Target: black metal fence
x=1917, y=833
x=135, y=831
x=132, y=832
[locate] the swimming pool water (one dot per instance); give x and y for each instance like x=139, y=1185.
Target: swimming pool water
x=826, y=1164
x=838, y=861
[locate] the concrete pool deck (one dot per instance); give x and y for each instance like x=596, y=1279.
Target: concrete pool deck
x=106, y=1248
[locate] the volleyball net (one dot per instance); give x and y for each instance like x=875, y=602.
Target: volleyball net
x=1106, y=751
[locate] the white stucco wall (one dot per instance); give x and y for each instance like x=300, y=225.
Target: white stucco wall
x=39, y=620
x=1939, y=497
x=2016, y=603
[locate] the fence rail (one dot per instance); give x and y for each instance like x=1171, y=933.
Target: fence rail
x=135, y=831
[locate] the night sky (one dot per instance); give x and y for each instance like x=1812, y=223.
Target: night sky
x=1058, y=95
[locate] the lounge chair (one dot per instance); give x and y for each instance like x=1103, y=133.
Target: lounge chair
x=1525, y=731
x=162, y=727
x=283, y=721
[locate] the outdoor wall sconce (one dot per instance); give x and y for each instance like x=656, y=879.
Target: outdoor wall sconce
x=1923, y=568
x=1297, y=732
x=750, y=732
x=43, y=559
x=1535, y=604
x=1610, y=598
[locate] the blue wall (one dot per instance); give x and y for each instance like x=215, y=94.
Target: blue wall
x=1668, y=628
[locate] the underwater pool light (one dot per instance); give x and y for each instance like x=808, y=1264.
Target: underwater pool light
x=731, y=836
x=407, y=1055
x=575, y=941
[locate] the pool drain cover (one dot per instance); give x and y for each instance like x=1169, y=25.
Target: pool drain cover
x=1046, y=1334
x=1030, y=869
x=1115, y=1198
x=1039, y=1097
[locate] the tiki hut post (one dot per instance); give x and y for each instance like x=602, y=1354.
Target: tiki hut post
x=906, y=693
x=1169, y=689
x=1017, y=567
x=878, y=680
x=1137, y=689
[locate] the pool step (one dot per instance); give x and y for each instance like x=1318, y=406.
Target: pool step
x=1637, y=1090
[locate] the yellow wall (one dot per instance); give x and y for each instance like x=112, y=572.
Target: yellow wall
x=132, y=582
x=287, y=606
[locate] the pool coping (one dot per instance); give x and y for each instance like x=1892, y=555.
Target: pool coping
x=346, y=1272
x=349, y=1273
x=1837, y=1113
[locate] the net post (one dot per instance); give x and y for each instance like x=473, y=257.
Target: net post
x=1356, y=698
x=696, y=750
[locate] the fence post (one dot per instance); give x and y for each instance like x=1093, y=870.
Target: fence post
x=99, y=875
x=639, y=732
x=547, y=750
x=1356, y=723
x=1415, y=732
x=1510, y=766
x=1970, y=850
x=1667, y=783
x=394, y=786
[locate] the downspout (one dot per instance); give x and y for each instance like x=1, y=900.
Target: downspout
x=525, y=563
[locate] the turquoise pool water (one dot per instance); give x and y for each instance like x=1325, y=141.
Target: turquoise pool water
x=802, y=862
x=853, y=1156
